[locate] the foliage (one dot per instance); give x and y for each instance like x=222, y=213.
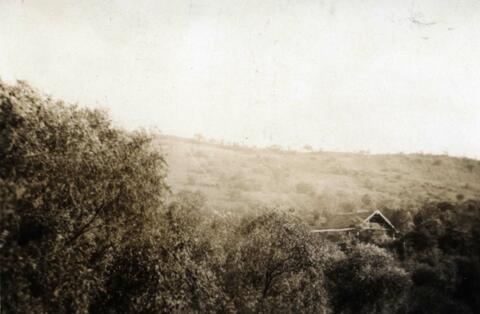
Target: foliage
x=166, y=269
x=443, y=255
x=305, y=188
x=274, y=266
x=88, y=225
x=367, y=280
x=401, y=218
x=366, y=200
x=73, y=189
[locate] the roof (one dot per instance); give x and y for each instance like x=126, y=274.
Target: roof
x=379, y=218
x=350, y=221
x=332, y=230
x=345, y=220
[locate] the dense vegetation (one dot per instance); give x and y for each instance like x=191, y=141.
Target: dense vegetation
x=89, y=225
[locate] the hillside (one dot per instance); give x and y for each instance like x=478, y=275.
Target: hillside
x=236, y=178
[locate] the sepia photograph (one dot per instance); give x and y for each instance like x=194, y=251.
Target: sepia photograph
x=221, y=156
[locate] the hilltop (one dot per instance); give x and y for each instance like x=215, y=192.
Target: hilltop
x=237, y=178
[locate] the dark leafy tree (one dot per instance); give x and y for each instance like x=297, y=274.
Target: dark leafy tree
x=367, y=280
x=274, y=266
x=73, y=189
x=444, y=258
x=167, y=269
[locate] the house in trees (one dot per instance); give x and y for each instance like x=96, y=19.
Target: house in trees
x=358, y=222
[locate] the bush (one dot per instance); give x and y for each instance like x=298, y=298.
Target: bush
x=347, y=206
x=366, y=200
x=305, y=188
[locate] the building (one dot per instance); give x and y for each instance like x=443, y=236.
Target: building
x=373, y=222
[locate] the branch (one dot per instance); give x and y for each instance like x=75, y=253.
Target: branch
x=268, y=282
x=84, y=228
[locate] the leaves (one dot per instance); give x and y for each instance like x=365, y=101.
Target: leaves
x=66, y=173
x=88, y=225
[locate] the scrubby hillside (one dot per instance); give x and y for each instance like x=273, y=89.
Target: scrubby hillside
x=238, y=178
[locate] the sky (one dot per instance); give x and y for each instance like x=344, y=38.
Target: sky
x=382, y=76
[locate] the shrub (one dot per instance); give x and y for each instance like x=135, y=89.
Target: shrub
x=347, y=206
x=234, y=194
x=366, y=200
x=191, y=180
x=308, y=148
x=305, y=188
x=470, y=167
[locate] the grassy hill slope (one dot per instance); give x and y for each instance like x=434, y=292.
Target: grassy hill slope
x=236, y=178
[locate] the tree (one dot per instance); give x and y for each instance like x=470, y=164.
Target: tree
x=274, y=266
x=308, y=148
x=73, y=190
x=305, y=188
x=199, y=137
x=401, y=219
x=167, y=269
x=443, y=258
x=367, y=280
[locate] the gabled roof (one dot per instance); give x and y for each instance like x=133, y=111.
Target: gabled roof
x=385, y=219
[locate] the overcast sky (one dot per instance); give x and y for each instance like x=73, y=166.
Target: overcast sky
x=382, y=76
